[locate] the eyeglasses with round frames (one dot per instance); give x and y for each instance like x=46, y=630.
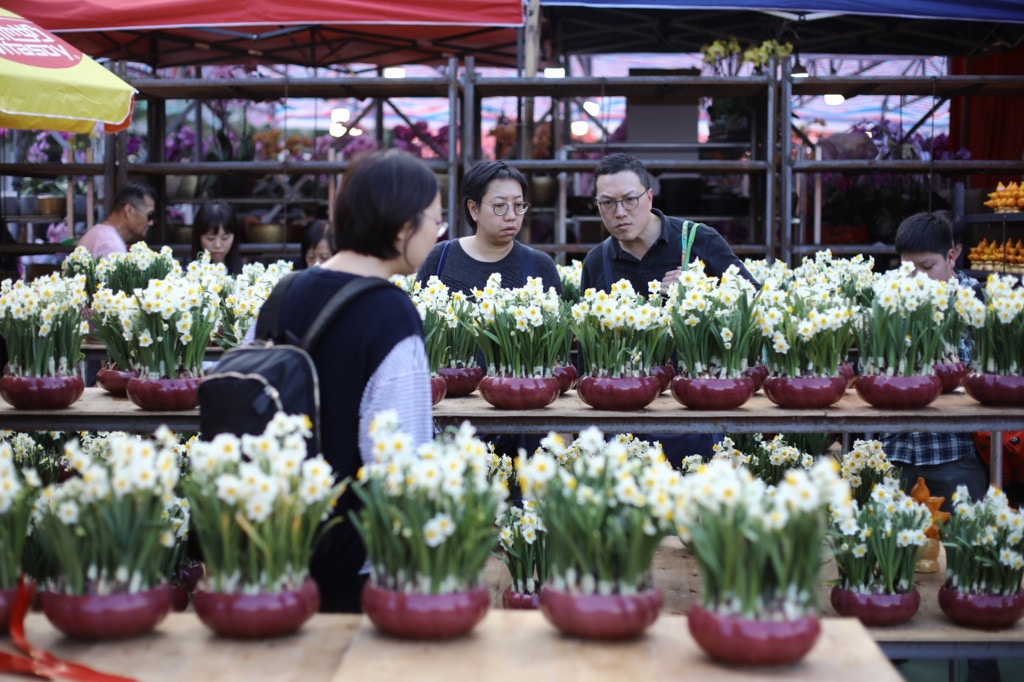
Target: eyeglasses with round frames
x=500, y=209
x=442, y=226
x=628, y=203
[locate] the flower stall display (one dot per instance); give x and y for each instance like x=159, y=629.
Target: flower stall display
x=41, y=321
x=526, y=555
x=133, y=270
x=622, y=335
x=864, y=467
x=170, y=326
x=108, y=309
x=607, y=506
x=876, y=544
x=571, y=276
x=900, y=340
x=81, y=262
x=984, y=544
x=109, y=533
x=521, y=333
x=770, y=461
x=760, y=609
x=713, y=334
x=997, y=326
x=241, y=299
x=449, y=338
x=807, y=331
x=428, y=523
x=19, y=487
x=258, y=504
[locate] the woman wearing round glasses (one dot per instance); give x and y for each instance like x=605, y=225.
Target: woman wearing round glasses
x=494, y=201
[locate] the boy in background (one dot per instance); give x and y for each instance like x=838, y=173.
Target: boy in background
x=944, y=460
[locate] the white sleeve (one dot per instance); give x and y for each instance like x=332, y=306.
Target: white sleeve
x=400, y=383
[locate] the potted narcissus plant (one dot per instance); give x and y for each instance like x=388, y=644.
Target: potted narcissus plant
x=521, y=333
x=428, y=523
x=997, y=325
x=984, y=543
x=761, y=610
x=713, y=335
x=606, y=506
x=258, y=506
x=622, y=336
x=109, y=533
x=900, y=338
x=42, y=324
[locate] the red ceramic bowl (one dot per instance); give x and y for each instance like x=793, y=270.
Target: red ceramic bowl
x=106, y=617
x=712, y=394
x=981, y=610
x=425, y=616
x=255, y=616
x=519, y=393
x=804, y=392
x=622, y=394
x=744, y=641
x=164, y=395
x=600, y=616
x=461, y=381
x=519, y=600
x=876, y=610
x=898, y=393
x=41, y=393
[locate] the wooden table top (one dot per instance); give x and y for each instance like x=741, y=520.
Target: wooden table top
x=98, y=410
x=506, y=645
x=951, y=412
x=511, y=646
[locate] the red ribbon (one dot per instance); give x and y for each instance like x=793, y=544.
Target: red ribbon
x=41, y=663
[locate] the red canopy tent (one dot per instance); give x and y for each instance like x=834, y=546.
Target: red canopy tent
x=165, y=33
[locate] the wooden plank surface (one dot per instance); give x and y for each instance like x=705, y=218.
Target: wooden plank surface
x=182, y=648
x=512, y=646
x=950, y=412
x=98, y=410
x=675, y=574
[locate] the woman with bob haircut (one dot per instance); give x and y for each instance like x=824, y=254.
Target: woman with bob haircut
x=387, y=217
x=494, y=203
x=215, y=230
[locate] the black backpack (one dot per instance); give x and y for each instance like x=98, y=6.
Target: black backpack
x=276, y=373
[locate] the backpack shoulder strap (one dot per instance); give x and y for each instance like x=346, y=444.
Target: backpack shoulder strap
x=268, y=323
x=336, y=304
x=440, y=259
x=607, y=253
x=528, y=263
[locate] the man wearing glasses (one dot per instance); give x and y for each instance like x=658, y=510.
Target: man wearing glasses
x=129, y=221
x=644, y=244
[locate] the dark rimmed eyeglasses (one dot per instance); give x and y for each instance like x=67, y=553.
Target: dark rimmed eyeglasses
x=501, y=208
x=628, y=203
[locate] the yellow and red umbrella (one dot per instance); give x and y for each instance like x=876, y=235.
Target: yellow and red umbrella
x=46, y=84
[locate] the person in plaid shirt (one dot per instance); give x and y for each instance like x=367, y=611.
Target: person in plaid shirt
x=944, y=460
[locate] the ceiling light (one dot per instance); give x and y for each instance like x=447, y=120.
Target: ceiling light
x=799, y=70
x=340, y=115
x=592, y=108
x=554, y=72
x=394, y=72
x=579, y=128
x=834, y=99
